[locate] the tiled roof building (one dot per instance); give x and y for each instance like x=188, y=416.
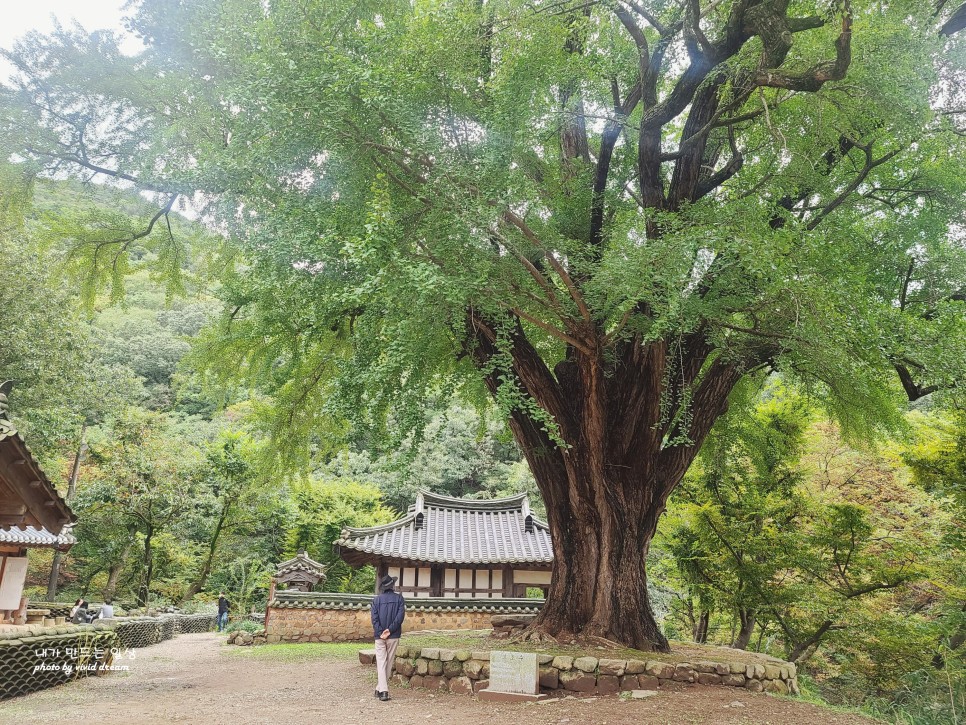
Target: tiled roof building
x=455, y=547
x=32, y=514
x=300, y=573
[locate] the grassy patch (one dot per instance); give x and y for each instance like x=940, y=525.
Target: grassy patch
x=302, y=652
x=810, y=694
x=480, y=641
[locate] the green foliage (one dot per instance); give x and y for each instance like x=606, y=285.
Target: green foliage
x=924, y=697
x=783, y=521
x=100, y=237
x=362, y=171
x=460, y=452
x=323, y=510
x=244, y=625
x=248, y=581
x=49, y=351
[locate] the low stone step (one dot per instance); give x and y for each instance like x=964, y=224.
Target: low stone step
x=511, y=620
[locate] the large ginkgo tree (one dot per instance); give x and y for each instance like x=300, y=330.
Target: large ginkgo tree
x=610, y=215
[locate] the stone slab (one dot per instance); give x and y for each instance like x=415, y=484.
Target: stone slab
x=512, y=620
x=514, y=672
x=498, y=696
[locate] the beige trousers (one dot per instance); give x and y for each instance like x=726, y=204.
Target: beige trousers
x=385, y=658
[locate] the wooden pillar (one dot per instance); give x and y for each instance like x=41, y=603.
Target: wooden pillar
x=268, y=605
x=381, y=570
x=436, y=581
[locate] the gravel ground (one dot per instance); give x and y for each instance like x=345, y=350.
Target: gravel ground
x=196, y=678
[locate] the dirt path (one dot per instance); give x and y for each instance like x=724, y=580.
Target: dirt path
x=220, y=684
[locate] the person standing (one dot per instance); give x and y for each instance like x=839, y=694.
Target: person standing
x=223, y=606
x=388, y=613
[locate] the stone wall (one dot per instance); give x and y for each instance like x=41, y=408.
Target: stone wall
x=467, y=672
x=330, y=617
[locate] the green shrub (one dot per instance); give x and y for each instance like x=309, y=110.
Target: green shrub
x=244, y=625
x=928, y=696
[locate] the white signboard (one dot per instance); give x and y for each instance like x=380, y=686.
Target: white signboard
x=514, y=672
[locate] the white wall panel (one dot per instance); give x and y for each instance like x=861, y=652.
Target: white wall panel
x=538, y=578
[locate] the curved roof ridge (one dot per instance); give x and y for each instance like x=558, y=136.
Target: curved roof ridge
x=300, y=557
x=540, y=522
x=408, y=518
x=517, y=500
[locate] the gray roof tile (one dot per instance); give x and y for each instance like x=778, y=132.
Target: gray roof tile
x=458, y=531
x=31, y=536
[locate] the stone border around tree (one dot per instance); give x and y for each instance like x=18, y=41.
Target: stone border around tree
x=465, y=672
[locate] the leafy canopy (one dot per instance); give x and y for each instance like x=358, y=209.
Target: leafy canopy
x=390, y=174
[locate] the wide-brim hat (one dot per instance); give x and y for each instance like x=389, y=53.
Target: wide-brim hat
x=387, y=582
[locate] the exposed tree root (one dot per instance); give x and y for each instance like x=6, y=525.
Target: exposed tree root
x=534, y=634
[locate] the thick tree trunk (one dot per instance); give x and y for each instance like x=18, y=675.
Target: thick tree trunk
x=748, y=620
x=148, y=562
x=601, y=526
x=701, y=628
x=599, y=585
x=622, y=443
x=604, y=496
x=114, y=573
x=71, y=489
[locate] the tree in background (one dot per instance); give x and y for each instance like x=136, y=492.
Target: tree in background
x=48, y=349
x=147, y=481
x=226, y=499
x=937, y=458
x=761, y=546
x=737, y=511
x=461, y=451
x=240, y=512
x=63, y=381
x=323, y=509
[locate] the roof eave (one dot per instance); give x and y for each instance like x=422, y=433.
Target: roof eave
x=44, y=502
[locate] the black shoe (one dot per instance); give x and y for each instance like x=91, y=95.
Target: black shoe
x=384, y=696
x=378, y=694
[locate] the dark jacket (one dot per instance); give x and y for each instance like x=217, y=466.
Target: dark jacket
x=388, y=612
x=223, y=605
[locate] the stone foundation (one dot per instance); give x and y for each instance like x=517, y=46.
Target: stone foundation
x=328, y=617
x=466, y=672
